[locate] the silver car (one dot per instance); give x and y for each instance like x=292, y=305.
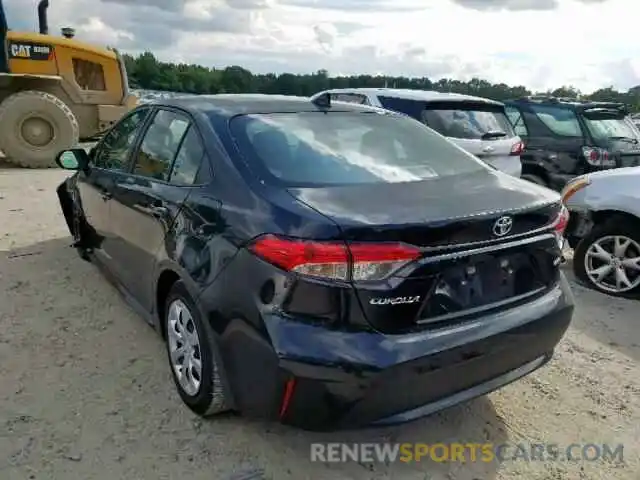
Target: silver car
x=478, y=125
x=604, y=229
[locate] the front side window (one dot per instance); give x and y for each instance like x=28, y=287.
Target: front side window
x=561, y=121
x=113, y=152
x=342, y=148
x=160, y=145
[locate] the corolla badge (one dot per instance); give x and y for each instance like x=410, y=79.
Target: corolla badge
x=502, y=226
x=394, y=301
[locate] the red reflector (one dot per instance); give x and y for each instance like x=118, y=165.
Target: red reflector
x=289, y=387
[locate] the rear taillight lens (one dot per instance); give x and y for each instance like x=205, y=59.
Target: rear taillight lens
x=598, y=157
x=334, y=260
x=560, y=225
x=517, y=148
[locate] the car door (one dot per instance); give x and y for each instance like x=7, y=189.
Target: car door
x=95, y=186
x=148, y=199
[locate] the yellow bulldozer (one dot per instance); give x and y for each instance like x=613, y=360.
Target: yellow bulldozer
x=55, y=91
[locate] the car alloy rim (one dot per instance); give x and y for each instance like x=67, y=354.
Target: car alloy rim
x=184, y=347
x=613, y=263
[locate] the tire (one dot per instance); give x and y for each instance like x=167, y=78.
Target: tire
x=600, y=235
x=42, y=112
x=210, y=398
x=534, y=179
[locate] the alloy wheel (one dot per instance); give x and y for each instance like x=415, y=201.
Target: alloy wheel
x=184, y=347
x=612, y=263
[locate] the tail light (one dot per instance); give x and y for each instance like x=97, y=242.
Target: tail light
x=598, y=157
x=334, y=260
x=560, y=224
x=517, y=148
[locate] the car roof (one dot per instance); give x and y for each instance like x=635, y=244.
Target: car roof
x=409, y=94
x=571, y=103
x=241, y=104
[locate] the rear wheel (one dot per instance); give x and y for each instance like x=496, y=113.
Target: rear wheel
x=608, y=259
x=190, y=349
x=34, y=127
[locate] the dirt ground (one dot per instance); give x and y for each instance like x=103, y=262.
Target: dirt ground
x=86, y=393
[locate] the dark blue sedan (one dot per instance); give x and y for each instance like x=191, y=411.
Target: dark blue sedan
x=324, y=265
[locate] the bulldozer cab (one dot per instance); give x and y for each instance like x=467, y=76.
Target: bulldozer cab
x=89, y=81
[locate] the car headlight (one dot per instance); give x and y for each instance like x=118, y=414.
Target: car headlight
x=574, y=186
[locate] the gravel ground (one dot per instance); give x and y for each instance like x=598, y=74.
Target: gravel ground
x=85, y=390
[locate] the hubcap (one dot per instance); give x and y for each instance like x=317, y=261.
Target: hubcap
x=37, y=131
x=613, y=263
x=184, y=347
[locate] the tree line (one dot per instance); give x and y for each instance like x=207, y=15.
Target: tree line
x=147, y=72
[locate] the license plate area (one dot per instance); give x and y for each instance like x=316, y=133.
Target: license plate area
x=487, y=280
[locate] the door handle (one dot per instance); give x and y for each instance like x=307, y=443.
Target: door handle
x=106, y=196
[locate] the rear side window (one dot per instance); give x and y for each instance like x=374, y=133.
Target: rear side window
x=160, y=145
x=342, y=148
x=188, y=160
x=561, y=121
x=515, y=117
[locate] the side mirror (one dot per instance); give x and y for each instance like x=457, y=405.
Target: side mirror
x=74, y=159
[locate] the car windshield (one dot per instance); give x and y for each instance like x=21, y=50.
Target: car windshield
x=613, y=128
x=341, y=148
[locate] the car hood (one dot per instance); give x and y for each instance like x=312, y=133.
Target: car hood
x=441, y=199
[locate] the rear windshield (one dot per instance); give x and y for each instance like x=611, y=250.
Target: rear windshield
x=612, y=128
x=467, y=120
x=342, y=148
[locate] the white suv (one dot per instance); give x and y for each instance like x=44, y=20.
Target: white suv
x=478, y=125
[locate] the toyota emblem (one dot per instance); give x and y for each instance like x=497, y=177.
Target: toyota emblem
x=502, y=226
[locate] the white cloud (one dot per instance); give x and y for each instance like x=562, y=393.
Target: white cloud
x=542, y=44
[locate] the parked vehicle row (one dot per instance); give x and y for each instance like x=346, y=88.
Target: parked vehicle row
x=543, y=139
x=322, y=264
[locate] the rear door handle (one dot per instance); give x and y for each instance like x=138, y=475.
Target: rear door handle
x=106, y=196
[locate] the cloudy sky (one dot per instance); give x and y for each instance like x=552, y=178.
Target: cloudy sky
x=538, y=43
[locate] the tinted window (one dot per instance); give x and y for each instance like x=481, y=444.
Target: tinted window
x=113, y=152
x=611, y=128
x=561, y=121
x=160, y=145
x=476, y=123
x=350, y=98
x=188, y=159
x=342, y=148
x=515, y=117
x=456, y=119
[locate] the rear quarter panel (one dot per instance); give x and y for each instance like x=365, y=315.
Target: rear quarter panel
x=610, y=192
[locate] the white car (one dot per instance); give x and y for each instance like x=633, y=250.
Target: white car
x=604, y=229
x=478, y=125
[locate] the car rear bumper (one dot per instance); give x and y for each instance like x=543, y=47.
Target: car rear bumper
x=316, y=378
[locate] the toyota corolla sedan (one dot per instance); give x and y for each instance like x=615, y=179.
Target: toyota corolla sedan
x=324, y=266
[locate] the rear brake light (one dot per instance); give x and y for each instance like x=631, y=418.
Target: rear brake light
x=560, y=224
x=334, y=260
x=598, y=157
x=517, y=148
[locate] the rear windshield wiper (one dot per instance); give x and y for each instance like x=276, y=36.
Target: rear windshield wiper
x=493, y=134
x=626, y=139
